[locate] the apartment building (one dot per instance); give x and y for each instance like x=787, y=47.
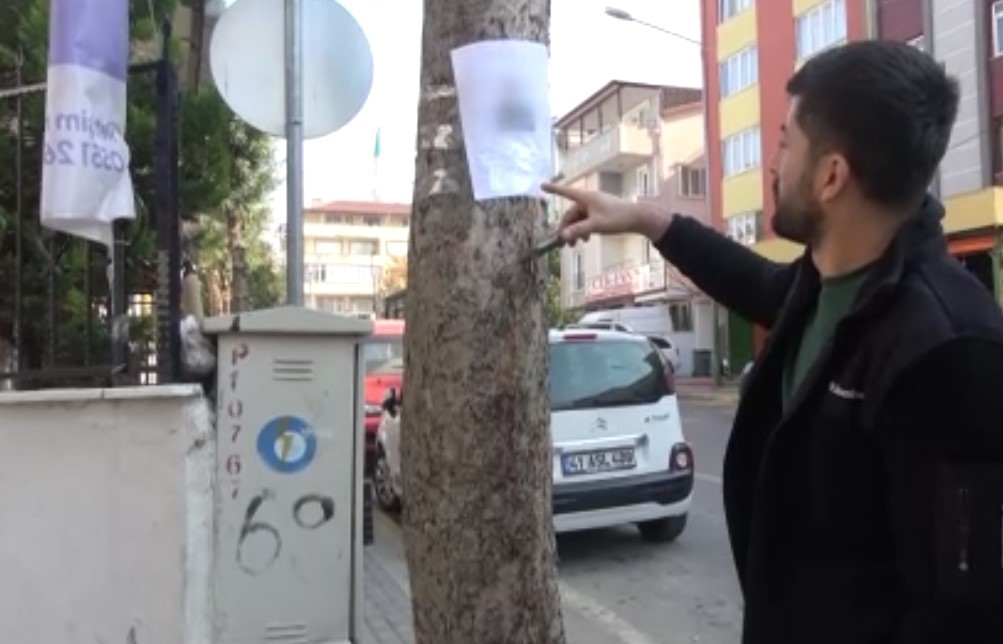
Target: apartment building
x=753, y=48
x=642, y=142
x=346, y=247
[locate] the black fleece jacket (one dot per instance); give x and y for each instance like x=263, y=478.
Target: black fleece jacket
x=871, y=510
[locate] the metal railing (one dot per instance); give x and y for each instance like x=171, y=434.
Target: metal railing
x=64, y=321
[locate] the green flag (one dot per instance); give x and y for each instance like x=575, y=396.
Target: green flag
x=377, y=146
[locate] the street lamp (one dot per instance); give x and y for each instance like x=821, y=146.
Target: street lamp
x=618, y=13
x=622, y=14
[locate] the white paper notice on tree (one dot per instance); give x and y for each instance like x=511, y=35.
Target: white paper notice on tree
x=503, y=91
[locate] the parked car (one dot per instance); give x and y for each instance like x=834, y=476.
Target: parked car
x=619, y=452
x=665, y=344
x=383, y=365
x=668, y=350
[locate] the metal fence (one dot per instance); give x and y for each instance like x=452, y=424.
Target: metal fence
x=65, y=319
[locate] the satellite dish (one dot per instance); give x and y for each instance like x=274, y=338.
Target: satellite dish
x=247, y=59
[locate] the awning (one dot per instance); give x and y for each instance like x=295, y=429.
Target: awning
x=971, y=245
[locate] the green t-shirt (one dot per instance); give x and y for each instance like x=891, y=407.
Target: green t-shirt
x=835, y=299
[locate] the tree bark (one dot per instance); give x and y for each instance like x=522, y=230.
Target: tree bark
x=476, y=447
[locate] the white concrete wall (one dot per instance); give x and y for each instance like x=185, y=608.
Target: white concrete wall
x=106, y=516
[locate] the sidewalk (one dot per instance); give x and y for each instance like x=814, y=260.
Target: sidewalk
x=704, y=389
x=386, y=604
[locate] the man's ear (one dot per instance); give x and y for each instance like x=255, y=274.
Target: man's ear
x=833, y=175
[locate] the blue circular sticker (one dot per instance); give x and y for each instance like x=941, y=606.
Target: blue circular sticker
x=287, y=444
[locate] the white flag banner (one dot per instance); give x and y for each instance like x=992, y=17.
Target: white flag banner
x=85, y=174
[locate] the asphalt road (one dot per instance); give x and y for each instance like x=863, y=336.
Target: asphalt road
x=621, y=590
x=617, y=589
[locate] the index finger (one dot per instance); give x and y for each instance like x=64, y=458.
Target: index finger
x=572, y=194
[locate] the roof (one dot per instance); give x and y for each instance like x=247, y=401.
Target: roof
x=672, y=96
x=287, y=320
x=574, y=331
x=362, y=208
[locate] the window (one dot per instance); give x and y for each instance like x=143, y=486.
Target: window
x=606, y=373
x=682, y=316
x=327, y=303
x=998, y=28
x=341, y=273
x=998, y=150
x=739, y=71
x=611, y=183
x=328, y=247
x=330, y=218
x=578, y=271
x=315, y=273
x=361, y=305
x=362, y=247
x=741, y=151
x=745, y=227
x=371, y=220
x=383, y=356
x=640, y=116
x=643, y=188
x=821, y=27
x=728, y=8
x=691, y=181
x=397, y=248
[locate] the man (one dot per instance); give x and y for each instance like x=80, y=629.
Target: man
x=863, y=481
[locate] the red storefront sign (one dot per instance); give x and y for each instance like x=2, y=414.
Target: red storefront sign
x=627, y=280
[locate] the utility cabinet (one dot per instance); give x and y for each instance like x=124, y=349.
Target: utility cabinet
x=289, y=413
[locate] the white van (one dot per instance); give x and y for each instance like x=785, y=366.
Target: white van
x=619, y=452
x=646, y=320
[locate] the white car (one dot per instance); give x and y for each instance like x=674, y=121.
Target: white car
x=619, y=452
x=669, y=351
x=665, y=344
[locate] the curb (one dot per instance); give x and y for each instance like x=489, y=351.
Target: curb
x=726, y=395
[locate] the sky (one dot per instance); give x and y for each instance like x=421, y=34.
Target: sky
x=588, y=49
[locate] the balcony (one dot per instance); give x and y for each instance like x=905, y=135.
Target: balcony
x=340, y=290
x=319, y=230
x=617, y=149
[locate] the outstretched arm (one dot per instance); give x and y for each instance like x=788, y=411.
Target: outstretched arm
x=740, y=279
x=752, y=286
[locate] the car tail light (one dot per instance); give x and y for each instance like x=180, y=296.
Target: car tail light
x=681, y=458
x=577, y=337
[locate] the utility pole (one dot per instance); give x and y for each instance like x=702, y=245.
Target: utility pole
x=294, y=150
x=476, y=451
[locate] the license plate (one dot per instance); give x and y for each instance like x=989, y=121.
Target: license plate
x=609, y=460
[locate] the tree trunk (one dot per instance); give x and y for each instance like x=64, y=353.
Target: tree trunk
x=476, y=450
x=237, y=295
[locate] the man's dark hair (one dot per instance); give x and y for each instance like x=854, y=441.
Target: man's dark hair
x=886, y=106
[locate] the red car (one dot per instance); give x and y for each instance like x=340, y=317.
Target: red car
x=383, y=360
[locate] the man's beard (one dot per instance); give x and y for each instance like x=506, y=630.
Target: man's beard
x=796, y=220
